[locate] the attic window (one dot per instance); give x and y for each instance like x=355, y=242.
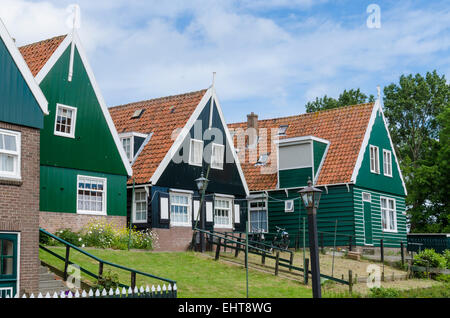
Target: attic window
x=262, y=160
x=137, y=114
x=172, y=109
x=282, y=130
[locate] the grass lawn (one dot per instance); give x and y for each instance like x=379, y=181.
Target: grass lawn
x=196, y=275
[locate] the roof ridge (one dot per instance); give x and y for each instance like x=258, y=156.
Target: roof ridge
x=158, y=99
x=42, y=41
x=309, y=114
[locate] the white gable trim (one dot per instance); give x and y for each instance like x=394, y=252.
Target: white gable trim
x=376, y=108
x=52, y=61
x=210, y=93
x=23, y=68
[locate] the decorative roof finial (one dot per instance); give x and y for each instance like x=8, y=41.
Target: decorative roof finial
x=378, y=92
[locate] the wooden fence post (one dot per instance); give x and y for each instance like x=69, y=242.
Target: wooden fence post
x=382, y=258
x=402, y=252
x=350, y=281
x=218, y=249
x=321, y=242
x=66, y=262
x=306, y=271
x=291, y=261
x=263, y=258
x=133, y=280
x=350, y=243
x=277, y=262
x=225, y=243
x=100, y=269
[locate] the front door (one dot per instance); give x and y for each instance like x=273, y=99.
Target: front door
x=367, y=198
x=8, y=265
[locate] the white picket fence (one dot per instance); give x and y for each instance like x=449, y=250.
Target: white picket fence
x=147, y=292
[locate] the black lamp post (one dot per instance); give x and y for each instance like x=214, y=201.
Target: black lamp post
x=311, y=197
x=202, y=183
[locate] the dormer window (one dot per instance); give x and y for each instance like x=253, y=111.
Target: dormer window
x=131, y=143
x=282, y=130
x=137, y=113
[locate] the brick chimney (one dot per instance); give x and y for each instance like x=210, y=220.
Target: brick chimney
x=252, y=128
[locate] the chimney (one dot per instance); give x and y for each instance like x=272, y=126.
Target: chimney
x=252, y=128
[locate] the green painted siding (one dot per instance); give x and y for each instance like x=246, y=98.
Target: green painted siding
x=318, y=151
x=337, y=204
x=59, y=190
x=17, y=103
x=93, y=148
x=294, y=177
x=390, y=239
x=379, y=182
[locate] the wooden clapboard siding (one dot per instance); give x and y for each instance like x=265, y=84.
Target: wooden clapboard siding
x=336, y=204
x=294, y=177
x=390, y=239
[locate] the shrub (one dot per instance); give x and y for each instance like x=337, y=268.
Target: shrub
x=429, y=258
x=109, y=280
x=447, y=257
x=381, y=292
x=69, y=236
x=98, y=235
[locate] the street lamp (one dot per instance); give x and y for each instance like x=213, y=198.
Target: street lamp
x=202, y=183
x=311, y=197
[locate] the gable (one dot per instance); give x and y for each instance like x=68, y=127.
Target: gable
x=378, y=136
x=21, y=100
x=225, y=181
x=93, y=147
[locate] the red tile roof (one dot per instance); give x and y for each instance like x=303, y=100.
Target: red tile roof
x=343, y=127
x=37, y=54
x=161, y=116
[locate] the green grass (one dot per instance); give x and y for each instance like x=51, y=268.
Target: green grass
x=196, y=275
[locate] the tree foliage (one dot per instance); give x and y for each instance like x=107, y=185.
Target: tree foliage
x=346, y=98
x=417, y=110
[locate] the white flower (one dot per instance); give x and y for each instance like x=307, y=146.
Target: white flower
x=79, y=240
x=83, y=245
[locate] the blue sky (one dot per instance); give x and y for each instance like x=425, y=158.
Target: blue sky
x=271, y=56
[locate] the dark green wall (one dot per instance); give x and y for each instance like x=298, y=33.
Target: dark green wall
x=318, y=151
x=393, y=185
x=294, y=177
x=93, y=148
x=59, y=190
x=17, y=103
x=182, y=175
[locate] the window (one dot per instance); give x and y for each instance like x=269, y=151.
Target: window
x=196, y=152
x=65, y=120
x=388, y=215
x=9, y=154
x=387, y=163
x=223, y=213
x=289, y=206
x=217, y=156
x=374, y=160
x=91, y=195
x=126, y=143
x=263, y=159
x=258, y=216
x=295, y=156
x=180, y=209
x=282, y=130
x=140, y=206
x=366, y=197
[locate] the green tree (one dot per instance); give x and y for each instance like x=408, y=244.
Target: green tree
x=417, y=112
x=346, y=98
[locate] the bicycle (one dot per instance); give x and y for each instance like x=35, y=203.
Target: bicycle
x=281, y=239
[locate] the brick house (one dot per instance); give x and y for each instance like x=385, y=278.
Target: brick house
x=170, y=142
x=22, y=110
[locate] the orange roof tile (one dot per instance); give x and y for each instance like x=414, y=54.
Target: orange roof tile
x=344, y=127
x=37, y=54
x=161, y=116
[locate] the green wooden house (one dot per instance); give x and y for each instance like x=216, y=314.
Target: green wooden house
x=22, y=110
x=84, y=168
x=347, y=153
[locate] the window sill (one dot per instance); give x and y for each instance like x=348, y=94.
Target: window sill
x=180, y=225
x=10, y=181
x=390, y=231
x=92, y=213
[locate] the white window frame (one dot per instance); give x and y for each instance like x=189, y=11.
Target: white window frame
x=130, y=136
x=191, y=148
x=72, y=124
x=286, y=206
x=104, y=197
x=215, y=164
x=374, y=161
x=258, y=209
x=388, y=211
x=130, y=139
x=387, y=166
x=369, y=197
x=188, y=205
x=16, y=174
x=230, y=200
x=142, y=190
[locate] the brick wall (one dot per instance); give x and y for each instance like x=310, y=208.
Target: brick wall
x=175, y=239
x=53, y=221
x=19, y=206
